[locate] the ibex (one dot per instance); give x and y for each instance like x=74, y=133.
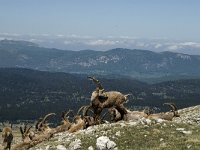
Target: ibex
x=101, y=100
x=90, y=120
x=167, y=115
x=130, y=116
x=65, y=124
x=7, y=137
x=79, y=122
x=27, y=136
x=42, y=125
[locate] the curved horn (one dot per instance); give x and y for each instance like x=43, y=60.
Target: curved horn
x=38, y=123
x=97, y=82
x=174, y=108
x=104, y=115
x=80, y=109
x=45, y=118
x=86, y=109
x=27, y=131
x=21, y=130
x=64, y=115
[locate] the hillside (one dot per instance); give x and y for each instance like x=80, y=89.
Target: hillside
x=141, y=135
x=136, y=135
x=134, y=63
x=28, y=94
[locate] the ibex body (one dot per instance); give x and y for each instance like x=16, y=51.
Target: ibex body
x=130, y=115
x=167, y=115
x=7, y=137
x=101, y=100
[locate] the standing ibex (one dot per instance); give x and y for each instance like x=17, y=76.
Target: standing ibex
x=101, y=100
x=7, y=137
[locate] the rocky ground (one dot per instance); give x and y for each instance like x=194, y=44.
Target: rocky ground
x=182, y=133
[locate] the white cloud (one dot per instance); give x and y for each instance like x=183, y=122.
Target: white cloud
x=193, y=44
x=173, y=47
x=158, y=45
x=101, y=42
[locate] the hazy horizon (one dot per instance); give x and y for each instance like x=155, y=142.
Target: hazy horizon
x=101, y=25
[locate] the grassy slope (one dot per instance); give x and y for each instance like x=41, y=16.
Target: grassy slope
x=136, y=136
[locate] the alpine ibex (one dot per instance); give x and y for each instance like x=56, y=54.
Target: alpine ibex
x=42, y=125
x=101, y=100
x=65, y=124
x=7, y=137
x=167, y=115
x=27, y=136
x=79, y=122
x=130, y=116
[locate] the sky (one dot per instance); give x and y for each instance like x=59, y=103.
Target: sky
x=98, y=21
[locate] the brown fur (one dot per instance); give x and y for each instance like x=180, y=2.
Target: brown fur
x=130, y=116
x=7, y=137
x=167, y=115
x=77, y=125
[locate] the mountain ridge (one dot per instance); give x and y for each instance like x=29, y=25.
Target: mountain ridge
x=129, y=62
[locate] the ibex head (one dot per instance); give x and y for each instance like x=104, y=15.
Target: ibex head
x=26, y=135
x=174, y=109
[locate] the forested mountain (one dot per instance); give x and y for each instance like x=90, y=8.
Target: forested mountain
x=28, y=94
x=134, y=63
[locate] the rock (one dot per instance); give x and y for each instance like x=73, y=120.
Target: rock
x=187, y=132
x=159, y=120
x=118, y=133
x=90, y=148
x=180, y=129
x=104, y=143
x=61, y=147
x=75, y=144
x=111, y=145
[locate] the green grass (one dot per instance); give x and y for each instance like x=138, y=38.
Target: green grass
x=162, y=136
x=154, y=137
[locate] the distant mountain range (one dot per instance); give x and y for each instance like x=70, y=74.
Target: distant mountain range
x=125, y=62
x=28, y=94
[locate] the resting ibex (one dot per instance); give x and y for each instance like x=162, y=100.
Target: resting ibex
x=65, y=124
x=130, y=116
x=101, y=99
x=42, y=125
x=27, y=136
x=79, y=122
x=7, y=137
x=167, y=115
x=43, y=132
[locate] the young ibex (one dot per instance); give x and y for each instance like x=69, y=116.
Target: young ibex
x=101, y=100
x=7, y=137
x=167, y=115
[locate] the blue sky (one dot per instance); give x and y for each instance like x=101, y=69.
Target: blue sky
x=149, y=19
